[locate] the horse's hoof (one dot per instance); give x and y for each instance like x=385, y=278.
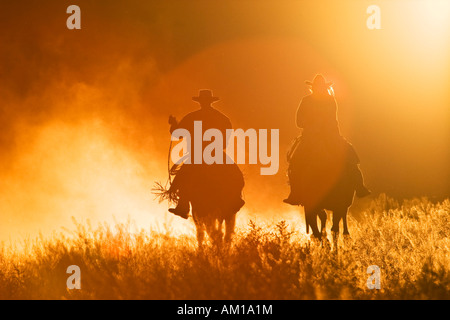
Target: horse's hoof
x=317, y=240
x=326, y=244
x=347, y=237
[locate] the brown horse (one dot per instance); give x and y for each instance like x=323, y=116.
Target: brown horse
x=210, y=219
x=337, y=198
x=215, y=197
x=323, y=165
x=214, y=192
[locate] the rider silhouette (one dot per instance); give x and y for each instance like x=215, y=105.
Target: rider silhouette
x=321, y=142
x=195, y=177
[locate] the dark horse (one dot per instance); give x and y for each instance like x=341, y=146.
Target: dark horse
x=327, y=183
x=210, y=218
x=214, y=202
x=213, y=191
x=338, y=199
x=323, y=169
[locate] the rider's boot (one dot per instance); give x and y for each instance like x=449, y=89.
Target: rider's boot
x=292, y=199
x=182, y=208
x=238, y=204
x=361, y=189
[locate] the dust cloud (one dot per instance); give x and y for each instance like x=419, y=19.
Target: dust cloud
x=84, y=113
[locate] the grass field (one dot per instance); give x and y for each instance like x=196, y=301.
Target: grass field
x=409, y=241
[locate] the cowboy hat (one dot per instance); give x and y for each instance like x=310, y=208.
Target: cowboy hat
x=205, y=95
x=319, y=81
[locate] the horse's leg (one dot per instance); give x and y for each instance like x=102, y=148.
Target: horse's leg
x=230, y=223
x=200, y=235
x=323, y=230
x=212, y=229
x=311, y=221
x=219, y=231
x=344, y=219
x=335, y=228
x=200, y=228
x=337, y=216
x=347, y=239
x=323, y=221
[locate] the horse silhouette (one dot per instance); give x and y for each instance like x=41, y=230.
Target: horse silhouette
x=212, y=191
x=323, y=171
x=337, y=199
x=213, y=199
x=211, y=218
x=328, y=183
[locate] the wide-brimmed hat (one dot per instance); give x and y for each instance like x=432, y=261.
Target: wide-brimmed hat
x=205, y=95
x=319, y=81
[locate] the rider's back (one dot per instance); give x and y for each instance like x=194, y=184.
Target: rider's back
x=317, y=116
x=211, y=119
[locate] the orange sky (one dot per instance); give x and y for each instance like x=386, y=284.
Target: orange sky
x=84, y=112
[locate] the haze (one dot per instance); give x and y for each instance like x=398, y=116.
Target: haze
x=84, y=112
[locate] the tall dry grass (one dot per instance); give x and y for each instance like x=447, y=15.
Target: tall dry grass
x=409, y=241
